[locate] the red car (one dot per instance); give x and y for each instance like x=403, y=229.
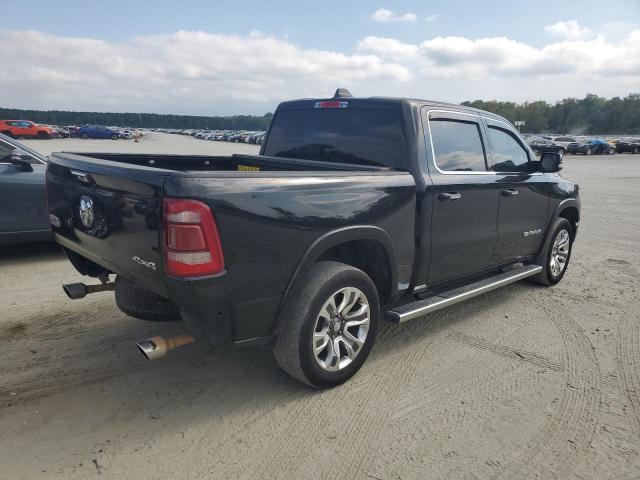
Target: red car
x=24, y=129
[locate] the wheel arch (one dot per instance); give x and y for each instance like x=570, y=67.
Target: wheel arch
x=568, y=209
x=368, y=248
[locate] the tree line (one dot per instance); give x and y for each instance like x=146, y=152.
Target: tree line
x=149, y=120
x=589, y=115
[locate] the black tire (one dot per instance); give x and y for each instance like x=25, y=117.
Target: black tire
x=636, y=150
x=611, y=151
x=43, y=135
x=8, y=134
x=84, y=136
x=114, y=137
x=588, y=151
x=293, y=349
x=547, y=276
x=139, y=303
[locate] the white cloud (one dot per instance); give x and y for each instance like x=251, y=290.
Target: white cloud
x=570, y=30
x=208, y=73
x=184, y=71
x=382, y=15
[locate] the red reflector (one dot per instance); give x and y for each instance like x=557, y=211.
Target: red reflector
x=331, y=104
x=192, y=243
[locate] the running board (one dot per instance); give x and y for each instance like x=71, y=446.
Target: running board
x=445, y=299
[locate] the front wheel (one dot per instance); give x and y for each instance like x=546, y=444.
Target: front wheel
x=636, y=150
x=611, y=151
x=588, y=151
x=328, y=326
x=558, y=253
x=84, y=136
x=114, y=137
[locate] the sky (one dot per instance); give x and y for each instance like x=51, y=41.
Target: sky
x=243, y=57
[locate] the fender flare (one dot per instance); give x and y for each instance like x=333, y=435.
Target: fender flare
x=567, y=202
x=336, y=237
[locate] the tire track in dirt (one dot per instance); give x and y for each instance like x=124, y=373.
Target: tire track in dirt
x=571, y=430
x=628, y=358
x=505, y=351
x=283, y=455
x=360, y=438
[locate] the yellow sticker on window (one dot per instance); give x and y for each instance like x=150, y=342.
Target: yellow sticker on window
x=247, y=168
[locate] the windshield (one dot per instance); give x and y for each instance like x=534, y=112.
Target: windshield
x=343, y=135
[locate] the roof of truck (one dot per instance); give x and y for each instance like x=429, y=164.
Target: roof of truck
x=391, y=100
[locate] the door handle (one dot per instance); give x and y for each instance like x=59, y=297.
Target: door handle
x=509, y=192
x=449, y=196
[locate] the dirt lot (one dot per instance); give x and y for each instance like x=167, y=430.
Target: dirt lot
x=524, y=382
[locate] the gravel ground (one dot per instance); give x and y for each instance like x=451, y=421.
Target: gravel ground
x=523, y=382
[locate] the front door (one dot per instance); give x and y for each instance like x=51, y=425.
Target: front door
x=465, y=197
x=524, y=195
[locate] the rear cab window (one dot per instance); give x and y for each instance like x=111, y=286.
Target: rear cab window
x=344, y=132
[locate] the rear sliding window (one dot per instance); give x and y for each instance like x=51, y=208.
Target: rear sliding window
x=341, y=135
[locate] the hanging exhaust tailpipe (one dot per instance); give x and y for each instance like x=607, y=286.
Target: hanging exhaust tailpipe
x=157, y=347
x=80, y=290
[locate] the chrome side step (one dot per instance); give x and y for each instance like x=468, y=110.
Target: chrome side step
x=445, y=299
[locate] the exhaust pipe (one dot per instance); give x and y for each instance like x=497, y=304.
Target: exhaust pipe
x=79, y=290
x=157, y=347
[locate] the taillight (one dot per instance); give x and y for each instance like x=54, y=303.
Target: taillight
x=191, y=239
x=331, y=104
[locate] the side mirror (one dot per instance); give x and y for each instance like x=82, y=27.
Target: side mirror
x=550, y=162
x=21, y=158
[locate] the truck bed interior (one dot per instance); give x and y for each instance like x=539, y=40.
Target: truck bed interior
x=186, y=163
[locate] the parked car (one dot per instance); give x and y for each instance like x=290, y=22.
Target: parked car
x=628, y=145
x=343, y=217
x=23, y=212
x=24, y=129
x=96, y=131
x=540, y=145
x=592, y=146
x=564, y=141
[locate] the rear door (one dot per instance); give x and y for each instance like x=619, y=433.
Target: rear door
x=524, y=194
x=465, y=196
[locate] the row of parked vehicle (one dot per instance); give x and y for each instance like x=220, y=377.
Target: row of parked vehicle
x=29, y=129
x=236, y=136
x=582, y=145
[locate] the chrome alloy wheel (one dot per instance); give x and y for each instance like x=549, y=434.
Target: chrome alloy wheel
x=341, y=329
x=560, y=252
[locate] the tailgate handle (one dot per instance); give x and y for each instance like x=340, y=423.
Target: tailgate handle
x=81, y=176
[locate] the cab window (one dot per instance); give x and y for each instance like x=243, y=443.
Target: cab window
x=509, y=154
x=457, y=145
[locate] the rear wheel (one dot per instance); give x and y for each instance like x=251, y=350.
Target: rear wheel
x=327, y=328
x=7, y=133
x=588, y=151
x=636, y=150
x=84, y=136
x=114, y=137
x=611, y=151
x=43, y=135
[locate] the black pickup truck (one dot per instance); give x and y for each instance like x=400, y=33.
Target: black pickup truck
x=355, y=209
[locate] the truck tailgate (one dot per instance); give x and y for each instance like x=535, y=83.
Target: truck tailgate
x=109, y=213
